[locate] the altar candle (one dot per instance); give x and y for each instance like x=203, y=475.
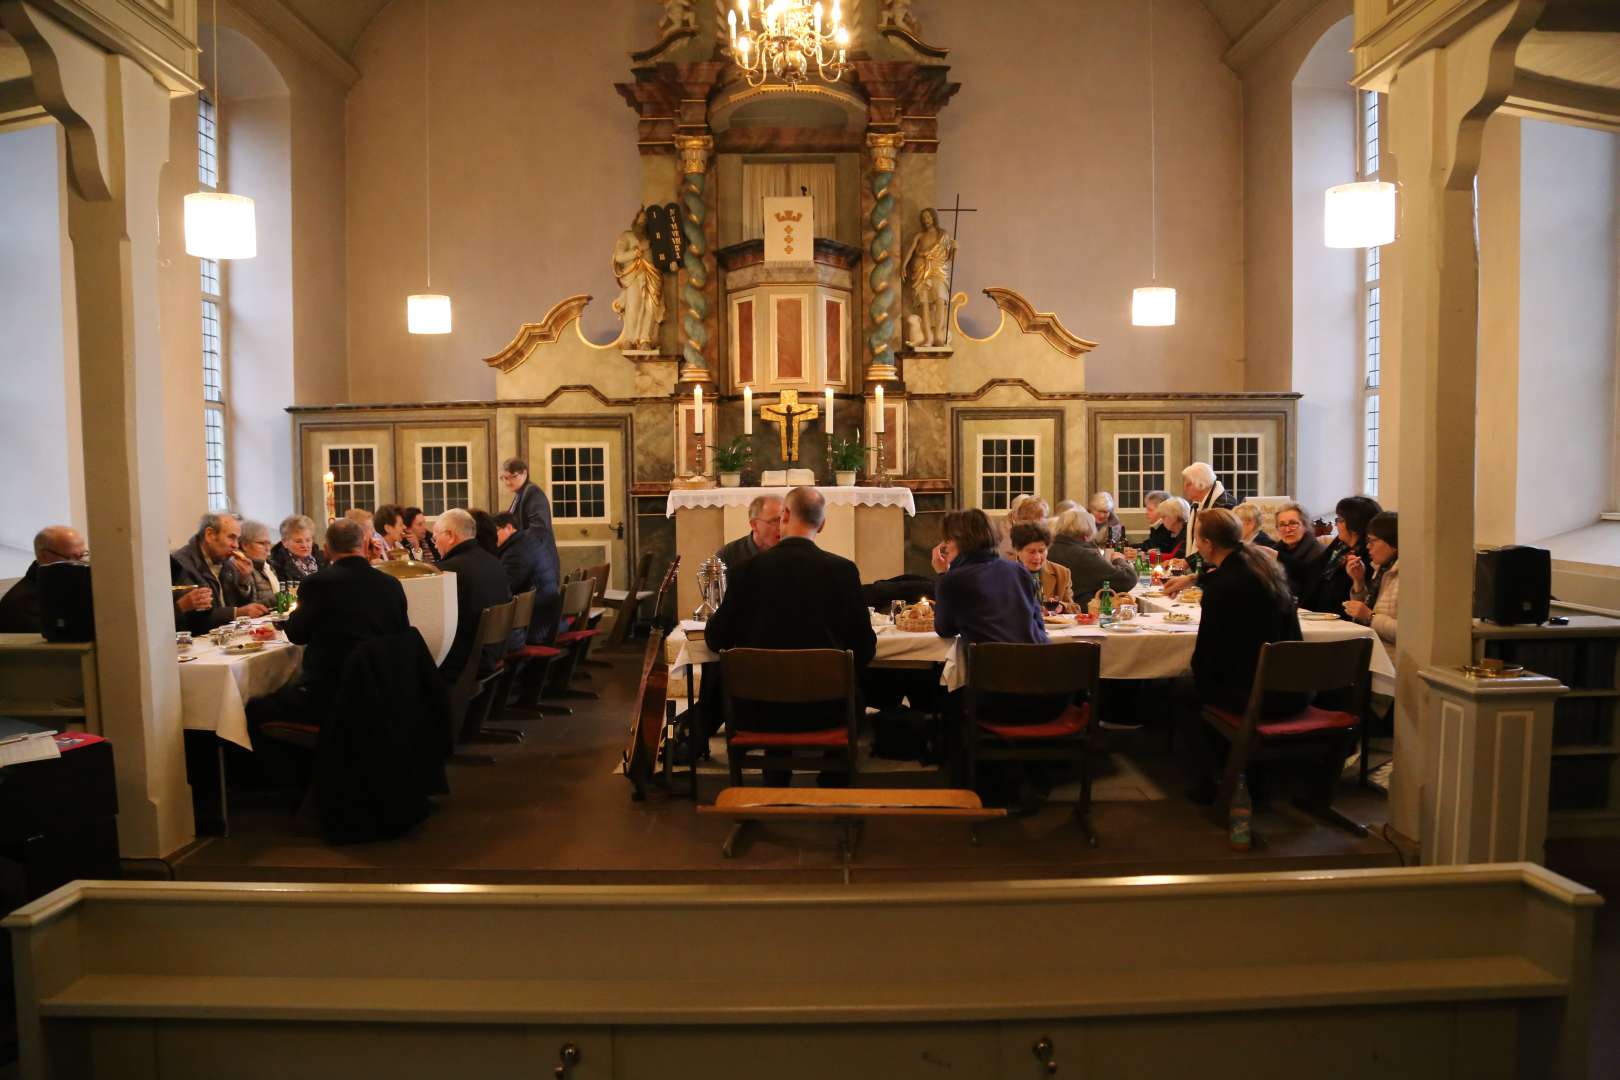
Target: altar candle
x=827, y=413
x=878, y=419
x=748, y=410
x=697, y=409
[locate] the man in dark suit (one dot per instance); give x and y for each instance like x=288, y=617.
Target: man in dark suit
x=340, y=607
x=795, y=596
x=531, y=563
x=20, y=607
x=529, y=504
x=480, y=583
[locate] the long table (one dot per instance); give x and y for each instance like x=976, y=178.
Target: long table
x=1156, y=649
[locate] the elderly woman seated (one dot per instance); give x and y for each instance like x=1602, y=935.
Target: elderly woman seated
x=1174, y=513
x=1158, y=536
x=1075, y=548
x=1375, y=594
x=296, y=557
x=1249, y=516
x=1300, y=552
x=1050, y=580
x=1110, y=533
x=255, y=544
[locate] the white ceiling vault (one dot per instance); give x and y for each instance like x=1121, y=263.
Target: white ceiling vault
x=340, y=23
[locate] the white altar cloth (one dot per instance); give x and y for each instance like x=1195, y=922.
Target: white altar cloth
x=691, y=498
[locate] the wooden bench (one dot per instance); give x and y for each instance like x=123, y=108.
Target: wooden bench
x=847, y=807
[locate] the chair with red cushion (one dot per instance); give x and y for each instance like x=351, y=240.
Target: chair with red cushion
x=1322, y=738
x=473, y=694
x=576, y=607
x=515, y=662
x=998, y=673
x=776, y=677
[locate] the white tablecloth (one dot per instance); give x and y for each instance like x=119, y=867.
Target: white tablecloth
x=690, y=498
x=215, y=687
x=1159, y=650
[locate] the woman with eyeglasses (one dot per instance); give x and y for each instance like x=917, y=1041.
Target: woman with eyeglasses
x=1375, y=589
x=1299, y=551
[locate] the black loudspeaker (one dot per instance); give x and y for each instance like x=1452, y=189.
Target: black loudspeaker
x=1512, y=585
x=65, y=608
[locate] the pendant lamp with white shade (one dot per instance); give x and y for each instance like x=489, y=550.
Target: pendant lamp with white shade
x=1153, y=304
x=1359, y=215
x=427, y=312
x=220, y=225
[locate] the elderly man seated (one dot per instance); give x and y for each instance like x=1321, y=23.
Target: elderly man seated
x=795, y=596
x=221, y=575
x=480, y=583
x=20, y=607
x=764, y=529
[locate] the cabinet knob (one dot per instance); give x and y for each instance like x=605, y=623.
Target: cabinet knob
x=567, y=1057
x=1046, y=1053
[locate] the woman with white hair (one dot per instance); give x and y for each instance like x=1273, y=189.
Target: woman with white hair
x=1024, y=509
x=255, y=544
x=1074, y=546
x=1158, y=536
x=296, y=557
x=1110, y=533
x=1174, y=516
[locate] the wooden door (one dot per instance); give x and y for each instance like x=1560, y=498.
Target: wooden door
x=582, y=464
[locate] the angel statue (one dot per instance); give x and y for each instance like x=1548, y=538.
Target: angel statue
x=928, y=275
x=897, y=14
x=678, y=15
x=641, y=298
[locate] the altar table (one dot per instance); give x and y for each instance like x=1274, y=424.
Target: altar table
x=864, y=524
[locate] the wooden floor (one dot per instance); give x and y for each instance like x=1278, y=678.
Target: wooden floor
x=552, y=810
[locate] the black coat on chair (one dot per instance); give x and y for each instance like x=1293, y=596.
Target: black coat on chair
x=480, y=583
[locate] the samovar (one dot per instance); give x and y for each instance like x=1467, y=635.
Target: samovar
x=711, y=579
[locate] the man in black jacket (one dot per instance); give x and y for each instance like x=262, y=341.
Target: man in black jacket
x=795, y=596
x=531, y=563
x=341, y=606
x=529, y=504
x=20, y=607
x=480, y=583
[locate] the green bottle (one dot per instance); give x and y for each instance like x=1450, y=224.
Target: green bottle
x=283, y=600
x=1105, y=603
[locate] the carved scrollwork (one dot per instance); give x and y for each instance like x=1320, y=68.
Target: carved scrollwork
x=545, y=332
x=1030, y=321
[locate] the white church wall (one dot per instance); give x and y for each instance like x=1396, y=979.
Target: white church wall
x=41, y=456
x=1327, y=357
x=1567, y=290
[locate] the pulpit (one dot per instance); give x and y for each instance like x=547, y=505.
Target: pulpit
x=864, y=524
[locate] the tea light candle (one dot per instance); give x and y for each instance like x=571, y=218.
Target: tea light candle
x=748, y=410
x=697, y=409
x=827, y=412
x=878, y=418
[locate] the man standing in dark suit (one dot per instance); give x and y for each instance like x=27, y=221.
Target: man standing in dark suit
x=531, y=564
x=795, y=596
x=480, y=583
x=529, y=505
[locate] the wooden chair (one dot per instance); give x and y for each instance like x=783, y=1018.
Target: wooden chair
x=1321, y=736
x=1060, y=669
x=599, y=576
x=627, y=602
x=789, y=677
x=517, y=660
x=472, y=694
x=576, y=606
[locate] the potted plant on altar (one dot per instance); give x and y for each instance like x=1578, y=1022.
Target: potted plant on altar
x=846, y=456
x=731, y=459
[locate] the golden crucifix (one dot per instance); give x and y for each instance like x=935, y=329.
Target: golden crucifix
x=789, y=414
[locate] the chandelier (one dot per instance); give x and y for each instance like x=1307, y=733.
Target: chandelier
x=782, y=39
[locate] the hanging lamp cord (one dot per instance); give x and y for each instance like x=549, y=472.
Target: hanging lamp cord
x=1153, y=143
x=427, y=135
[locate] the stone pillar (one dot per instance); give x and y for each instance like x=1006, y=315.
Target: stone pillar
x=117, y=116
x=1438, y=103
x=1488, y=768
x=699, y=286
x=884, y=278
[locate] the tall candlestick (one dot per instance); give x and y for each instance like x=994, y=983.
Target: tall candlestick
x=748, y=410
x=827, y=413
x=878, y=418
x=697, y=409
x=329, y=485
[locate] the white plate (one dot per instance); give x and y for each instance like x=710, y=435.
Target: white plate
x=1319, y=616
x=1123, y=628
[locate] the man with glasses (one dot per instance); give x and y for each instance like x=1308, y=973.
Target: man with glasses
x=529, y=504
x=20, y=607
x=764, y=529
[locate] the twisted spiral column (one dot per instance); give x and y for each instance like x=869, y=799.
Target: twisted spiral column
x=883, y=284
x=696, y=310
